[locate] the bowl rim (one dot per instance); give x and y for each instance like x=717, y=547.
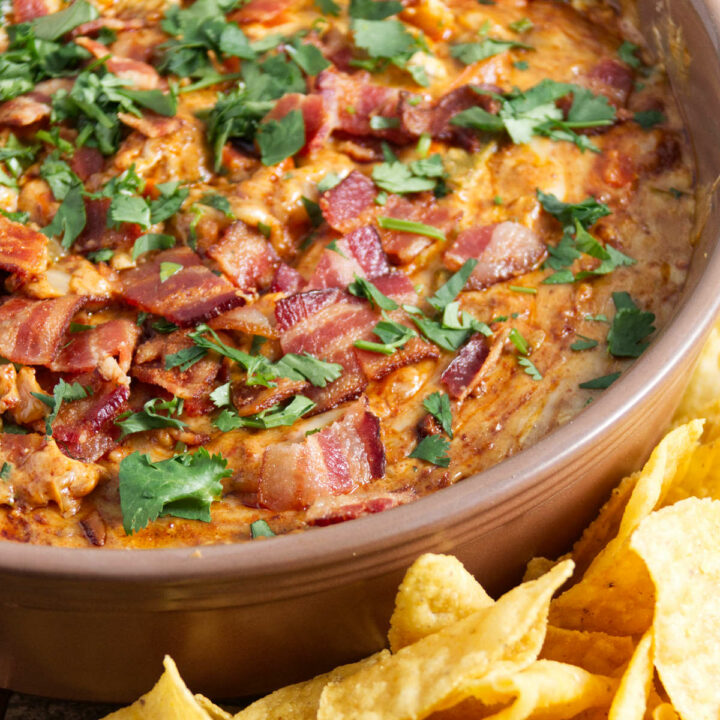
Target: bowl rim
x=328, y=549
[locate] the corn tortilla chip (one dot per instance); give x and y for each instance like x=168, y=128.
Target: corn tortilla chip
x=538, y=566
x=429, y=674
x=631, y=700
x=300, y=701
x=679, y=544
x=214, y=712
x=436, y=592
x=702, y=478
x=616, y=594
x=665, y=711
x=168, y=700
x=596, y=652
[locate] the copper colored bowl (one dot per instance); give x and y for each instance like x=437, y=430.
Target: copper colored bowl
x=243, y=619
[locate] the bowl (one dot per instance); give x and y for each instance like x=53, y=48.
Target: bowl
x=243, y=619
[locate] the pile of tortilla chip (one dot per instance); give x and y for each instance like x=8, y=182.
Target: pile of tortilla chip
x=634, y=634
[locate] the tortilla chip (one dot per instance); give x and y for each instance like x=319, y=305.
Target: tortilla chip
x=429, y=675
x=300, y=701
x=546, y=688
x=704, y=382
x=538, y=566
x=168, y=700
x=596, y=652
x=702, y=478
x=631, y=700
x=214, y=712
x=436, y=592
x=679, y=544
x=616, y=594
x=665, y=711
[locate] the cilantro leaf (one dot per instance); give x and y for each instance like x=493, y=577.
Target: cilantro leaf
x=101, y=255
x=447, y=338
x=452, y=288
x=270, y=418
x=149, y=418
x=70, y=218
x=432, y=449
x=393, y=335
x=383, y=38
x=307, y=367
x=185, y=358
x=469, y=53
x=260, y=528
x=219, y=202
x=313, y=211
x=55, y=25
x=529, y=367
x=58, y=175
x=438, y=405
x=630, y=327
x=221, y=396
x=587, y=212
x=152, y=241
x=62, y=392
x=626, y=52
x=583, y=343
x=374, y=9
x=600, y=383
x=363, y=288
x=397, y=177
x=647, y=119
x=409, y=226
x=183, y=486
x=129, y=209
x=280, y=139
x=172, y=196
x=308, y=58
x=168, y=269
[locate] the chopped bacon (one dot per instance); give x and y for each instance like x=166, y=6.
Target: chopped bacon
x=117, y=24
x=151, y=125
x=376, y=365
x=404, y=246
x=189, y=296
x=246, y=257
x=251, y=399
x=464, y=371
x=140, y=74
x=359, y=253
x=85, y=429
x=353, y=100
x=86, y=161
x=611, y=78
x=91, y=349
x=318, y=122
x=258, y=318
x=22, y=250
x=97, y=234
x=343, y=456
x=26, y=10
x=503, y=251
x=41, y=474
x=287, y=280
x=31, y=331
x=330, y=511
x=193, y=385
x=261, y=11
x=397, y=285
x=24, y=110
x=294, y=309
x=344, y=205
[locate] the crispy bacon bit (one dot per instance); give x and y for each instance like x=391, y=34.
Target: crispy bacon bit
x=464, y=371
x=24, y=110
x=191, y=295
x=348, y=202
x=90, y=349
x=503, y=251
x=151, y=125
x=253, y=399
x=258, y=318
x=41, y=474
x=86, y=161
x=376, y=365
x=330, y=511
x=31, y=331
x=403, y=246
x=397, y=285
x=117, y=24
x=246, y=257
x=139, y=74
x=193, y=385
x=318, y=122
x=85, y=429
x=613, y=79
x=287, y=280
x=22, y=250
x=261, y=11
x=26, y=10
x=97, y=234
x=345, y=455
x=296, y=308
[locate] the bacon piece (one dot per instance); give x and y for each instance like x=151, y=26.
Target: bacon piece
x=151, y=125
x=96, y=234
x=318, y=121
x=503, y=250
x=246, y=257
x=343, y=456
x=26, y=10
x=24, y=110
x=397, y=286
x=22, y=250
x=330, y=511
x=611, y=78
x=287, y=280
x=91, y=349
x=85, y=429
x=261, y=11
x=353, y=100
x=376, y=365
x=193, y=385
x=86, y=161
x=251, y=399
x=31, y=330
x=359, y=253
x=41, y=474
x=139, y=74
x=296, y=308
x=404, y=246
x=345, y=205
x=191, y=295
x=464, y=371
x=117, y=24
x=258, y=318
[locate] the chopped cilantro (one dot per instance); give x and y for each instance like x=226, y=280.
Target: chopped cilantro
x=17, y=216
x=149, y=418
x=260, y=528
x=408, y=226
x=101, y=255
x=168, y=269
x=58, y=175
x=587, y=212
x=219, y=202
x=275, y=416
x=374, y=9
x=79, y=327
x=55, y=25
x=600, y=383
x=329, y=7
x=5, y=470
x=393, y=335
x=438, y=405
x=380, y=122
x=183, y=486
x=280, y=139
x=308, y=58
x=221, y=396
x=519, y=341
x=328, y=182
x=469, y=53
x=523, y=289
x=62, y=392
x=522, y=25
x=630, y=327
x=363, y=288
x=447, y=292
x=313, y=211
x=432, y=449
x=529, y=367
x=70, y=218
x=584, y=343
x=626, y=52
x=647, y=119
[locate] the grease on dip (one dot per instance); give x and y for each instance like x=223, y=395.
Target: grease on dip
x=281, y=264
